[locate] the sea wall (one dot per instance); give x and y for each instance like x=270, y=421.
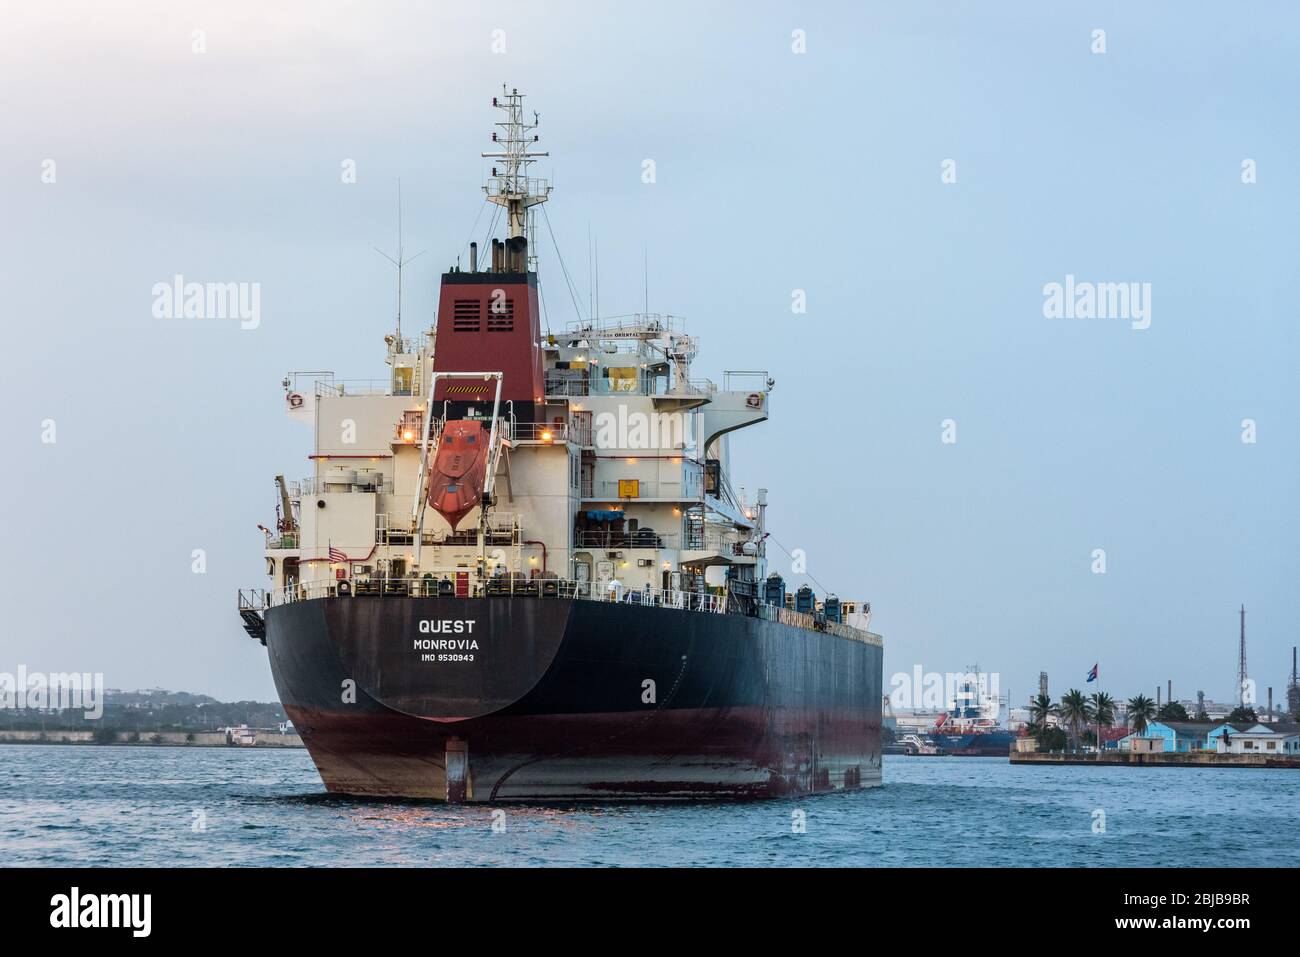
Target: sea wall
x=47, y=737
x=274, y=739
x=199, y=739
x=1161, y=759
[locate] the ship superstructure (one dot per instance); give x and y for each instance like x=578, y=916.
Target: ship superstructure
x=520, y=569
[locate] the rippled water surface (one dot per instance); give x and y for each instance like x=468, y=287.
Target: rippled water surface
x=93, y=805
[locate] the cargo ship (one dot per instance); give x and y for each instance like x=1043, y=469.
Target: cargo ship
x=520, y=570
x=969, y=728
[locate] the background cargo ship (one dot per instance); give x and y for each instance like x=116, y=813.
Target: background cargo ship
x=970, y=726
x=521, y=572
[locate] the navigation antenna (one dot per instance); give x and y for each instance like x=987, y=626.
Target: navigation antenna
x=510, y=186
x=399, y=262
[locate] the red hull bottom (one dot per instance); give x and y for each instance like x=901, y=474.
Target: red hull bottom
x=399, y=756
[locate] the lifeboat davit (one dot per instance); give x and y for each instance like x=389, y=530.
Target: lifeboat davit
x=458, y=470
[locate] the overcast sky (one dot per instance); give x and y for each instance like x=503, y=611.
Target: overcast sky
x=775, y=171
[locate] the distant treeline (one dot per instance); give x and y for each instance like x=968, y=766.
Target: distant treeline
x=206, y=715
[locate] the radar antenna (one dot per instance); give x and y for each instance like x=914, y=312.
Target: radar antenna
x=510, y=186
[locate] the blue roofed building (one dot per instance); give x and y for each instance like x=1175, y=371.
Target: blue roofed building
x=1178, y=736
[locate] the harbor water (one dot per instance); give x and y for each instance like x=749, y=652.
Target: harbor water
x=64, y=805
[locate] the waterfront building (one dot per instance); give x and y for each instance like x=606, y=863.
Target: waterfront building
x=1178, y=736
x=1254, y=739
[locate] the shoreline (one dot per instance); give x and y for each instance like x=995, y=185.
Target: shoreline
x=152, y=739
x=1171, y=759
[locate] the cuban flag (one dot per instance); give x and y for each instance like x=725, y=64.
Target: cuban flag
x=1092, y=675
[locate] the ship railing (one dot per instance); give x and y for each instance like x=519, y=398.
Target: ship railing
x=720, y=542
x=745, y=380
x=641, y=538
x=580, y=383
x=338, y=388
x=634, y=325
x=510, y=185
x=799, y=619
x=253, y=599
x=447, y=586
x=313, y=485
x=503, y=586
x=540, y=432
x=691, y=387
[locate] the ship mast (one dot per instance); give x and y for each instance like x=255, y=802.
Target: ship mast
x=510, y=185
x=396, y=345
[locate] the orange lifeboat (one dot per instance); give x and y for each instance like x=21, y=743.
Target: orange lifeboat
x=458, y=470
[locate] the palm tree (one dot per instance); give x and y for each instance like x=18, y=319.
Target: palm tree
x=1040, y=709
x=1141, y=710
x=1103, y=712
x=1076, y=709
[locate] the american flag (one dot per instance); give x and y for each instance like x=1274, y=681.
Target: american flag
x=336, y=554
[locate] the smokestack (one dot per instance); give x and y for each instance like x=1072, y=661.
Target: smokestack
x=1171, y=691
x=473, y=257
x=1241, y=661
x=516, y=254
x=496, y=255
x=1157, y=697
x=1270, y=705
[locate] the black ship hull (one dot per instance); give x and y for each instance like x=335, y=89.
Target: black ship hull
x=987, y=744
x=550, y=699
